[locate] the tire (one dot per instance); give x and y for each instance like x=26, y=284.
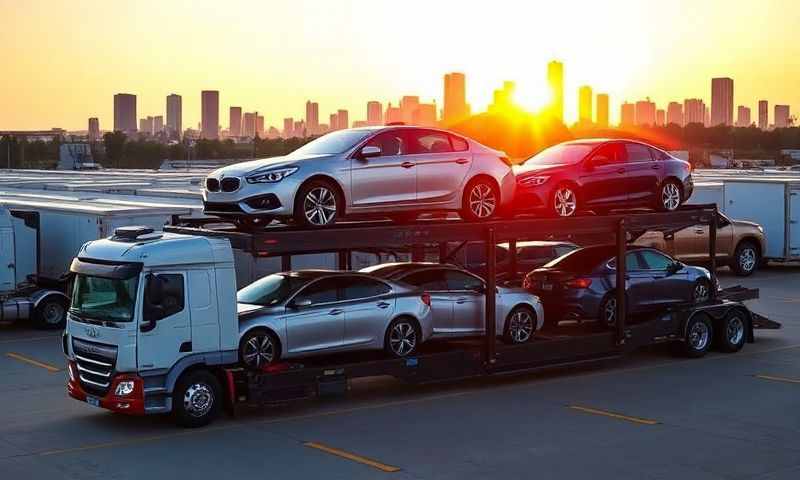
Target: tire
x=701, y=291
x=698, y=336
x=520, y=325
x=746, y=258
x=197, y=399
x=564, y=201
x=253, y=223
x=670, y=196
x=607, y=315
x=51, y=313
x=480, y=200
x=258, y=349
x=317, y=204
x=732, y=332
x=400, y=332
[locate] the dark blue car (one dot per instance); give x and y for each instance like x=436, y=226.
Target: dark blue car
x=581, y=284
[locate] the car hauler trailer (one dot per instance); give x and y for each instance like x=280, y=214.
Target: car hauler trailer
x=141, y=367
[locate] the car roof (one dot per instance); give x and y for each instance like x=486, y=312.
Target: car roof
x=388, y=270
x=538, y=243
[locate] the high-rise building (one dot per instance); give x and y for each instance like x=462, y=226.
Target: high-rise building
x=627, y=114
x=782, y=116
x=374, y=113
x=645, y=112
x=249, y=124
x=694, y=111
x=174, y=115
x=503, y=98
x=334, y=122
x=408, y=104
x=300, y=129
x=661, y=117
x=585, y=104
x=721, y=101
x=125, y=113
x=393, y=115
x=424, y=115
x=158, y=124
x=742, y=116
x=455, y=98
x=763, y=114
x=94, y=129
x=602, y=110
x=555, y=79
x=675, y=113
x=235, y=122
x=259, y=125
x=209, y=122
x=342, y=119
x=288, y=127
x=146, y=126
x=312, y=118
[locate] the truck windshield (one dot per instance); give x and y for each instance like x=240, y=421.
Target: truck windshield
x=271, y=290
x=104, y=299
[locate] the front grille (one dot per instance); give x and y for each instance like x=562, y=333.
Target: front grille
x=212, y=184
x=230, y=184
x=96, y=363
x=217, y=207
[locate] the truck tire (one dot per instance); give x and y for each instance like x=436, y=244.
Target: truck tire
x=746, y=258
x=51, y=313
x=197, y=399
x=698, y=336
x=732, y=332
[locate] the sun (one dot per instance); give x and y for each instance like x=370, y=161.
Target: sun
x=532, y=96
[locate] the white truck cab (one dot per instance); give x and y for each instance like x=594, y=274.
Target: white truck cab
x=150, y=312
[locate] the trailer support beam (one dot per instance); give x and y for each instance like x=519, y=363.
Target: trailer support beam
x=491, y=289
x=712, y=252
x=622, y=276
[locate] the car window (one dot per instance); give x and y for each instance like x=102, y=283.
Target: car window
x=659, y=154
x=172, y=297
x=655, y=260
x=461, y=281
x=362, y=287
x=427, y=280
x=535, y=253
x=563, y=250
x=722, y=221
x=476, y=254
x=609, y=154
x=637, y=153
x=391, y=143
x=632, y=262
x=322, y=291
x=459, y=144
x=428, y=141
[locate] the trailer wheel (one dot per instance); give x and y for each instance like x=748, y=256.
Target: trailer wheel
x=733, y=331
x=520, y=325
x=51, y=313
x=197, y=399
x=699, y=333
x=402, y=337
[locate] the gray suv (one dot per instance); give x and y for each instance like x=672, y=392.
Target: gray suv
x=396, y=171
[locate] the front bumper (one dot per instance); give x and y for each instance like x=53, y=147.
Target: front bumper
x=531, y=199
x=251, y=199
x=132, y=404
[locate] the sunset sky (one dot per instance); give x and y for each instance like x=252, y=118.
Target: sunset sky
x=64, y=60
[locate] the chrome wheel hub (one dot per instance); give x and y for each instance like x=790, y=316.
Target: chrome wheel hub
x=403, y=339
x=319, y=206
x=258, y=351
x=735, y=330
x=700, y=293
x=670, y=196
x=198, y=400
x=482, y=201
x=565, y=202
x=698, y=336
x=521, y=327
x=610, y=311
x=747, y=259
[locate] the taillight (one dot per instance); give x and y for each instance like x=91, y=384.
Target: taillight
x=426, y=298
x=579, y=283
x=506, y=160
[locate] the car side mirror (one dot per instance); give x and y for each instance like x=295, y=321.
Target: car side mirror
x=300, y=304
x=674, y=268
x=481, y=288
x=370, y=151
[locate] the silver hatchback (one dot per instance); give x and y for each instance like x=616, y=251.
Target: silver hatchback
x=397, y=171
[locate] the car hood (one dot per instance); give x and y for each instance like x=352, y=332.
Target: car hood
x=525, y=170
x=745, y=224
x=243, y=168
x=246, y=310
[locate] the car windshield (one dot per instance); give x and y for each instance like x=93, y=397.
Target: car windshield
x=271, y=290
x=582, y=260
x=333, y=143
x=104, y=299
x=560, y=155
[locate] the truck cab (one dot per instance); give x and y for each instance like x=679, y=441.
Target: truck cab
x=147, y=308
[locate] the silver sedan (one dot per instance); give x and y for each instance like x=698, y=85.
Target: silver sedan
x=396, y=171
x=458, y=301
x=313, y=312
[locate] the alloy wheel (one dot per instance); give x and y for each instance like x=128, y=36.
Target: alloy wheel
x=198, y=400
x=403, y=339
x=701, y=293
x=258, y=351
x=698, y=336
x=520, y=327
x=735, y=330
x=482, y=200
x=565, y=202
x=747, y=259
x=319, y=206
x=610, y=311
x=670, y=197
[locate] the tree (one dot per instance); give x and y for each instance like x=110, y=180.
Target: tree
x=115, y=147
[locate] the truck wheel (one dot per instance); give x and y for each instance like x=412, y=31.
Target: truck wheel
x=733, y=331
x=520, y=325
x=197, y=399
x=746, y=259
x=402, y=337
x=699, y=333
x=259, y=348
x=51, y=313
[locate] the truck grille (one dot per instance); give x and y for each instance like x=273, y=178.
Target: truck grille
x=96, y=363
x=230, y=184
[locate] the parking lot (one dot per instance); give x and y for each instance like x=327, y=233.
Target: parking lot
x=652, y=415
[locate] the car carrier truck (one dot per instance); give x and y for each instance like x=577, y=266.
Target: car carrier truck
x=153, y=324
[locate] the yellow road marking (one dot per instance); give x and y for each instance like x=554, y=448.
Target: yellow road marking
x=778, y=379
x=22, y=358
x=643, y=421
x=352, y=456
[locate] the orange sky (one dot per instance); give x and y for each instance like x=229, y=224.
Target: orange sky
x=64, y=60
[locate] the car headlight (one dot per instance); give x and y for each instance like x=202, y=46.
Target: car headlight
x=534, y=181
x=124, y=388
x=271, y=176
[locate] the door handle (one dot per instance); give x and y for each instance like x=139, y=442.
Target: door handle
x=462, y=161
x=407, y=164
x=335, y=311
x=383, y=304
x=461, y=300
x=10, y=265
x=655, y=167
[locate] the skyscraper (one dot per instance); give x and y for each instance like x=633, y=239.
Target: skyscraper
x=342, y=119
x=555, y=79
x=174, y=115
x=249, y=124
x=721, y=101
x=393, y=115
x=763, y=114
x=209, y=123
x=645, y=112
x=455, y=98
x=694, y=111
x=374, y=113
x=94, y=129
x=602, y=110
x=424, y=115
x=627, y=114
x=125, y=113
x=661, y=117
x=781, y=116
x=408, y=104
x=334, y=123
x=158, y=124
x=742, y=116
x=259, y=125
x=146, y=125
x=235, y=122
x=675, y=113
x=312, y=118
x=585, y=104
x=299, y=129
x=288, y=127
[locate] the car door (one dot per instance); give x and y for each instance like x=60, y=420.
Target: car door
x=389, y=178
x=666, y=287
x=441, y=166
x=165, y=333
x=642, y=174
x=315, y=318
x=698, y=245
x=433, y=282
x=368, y=305
x=637, y=282
x=468, y=304
x=603, y=176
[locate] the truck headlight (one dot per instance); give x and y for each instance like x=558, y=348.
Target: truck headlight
x=271, y=176
x=124, y=388
x=534, y=181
